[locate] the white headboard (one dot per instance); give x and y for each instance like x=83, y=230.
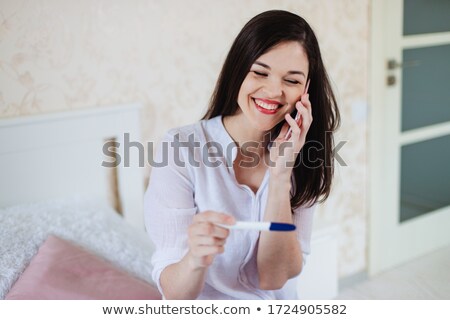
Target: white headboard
x=58, y=155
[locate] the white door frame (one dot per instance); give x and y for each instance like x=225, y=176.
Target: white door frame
x=376, y=91
x=386, y=251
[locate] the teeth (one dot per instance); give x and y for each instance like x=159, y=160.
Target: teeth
x=266, y=105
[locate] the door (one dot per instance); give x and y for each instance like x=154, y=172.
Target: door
x=410, y=131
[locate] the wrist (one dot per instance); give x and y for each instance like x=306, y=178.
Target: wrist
x=279, y=186
x=280, y=179
x=280, y=172
x=193, y=263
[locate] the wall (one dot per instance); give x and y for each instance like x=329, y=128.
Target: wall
x=62, y=55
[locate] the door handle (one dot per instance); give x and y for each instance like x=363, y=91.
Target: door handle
x=394, y=64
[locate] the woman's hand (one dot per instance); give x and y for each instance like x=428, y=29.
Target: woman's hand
x=206, y=239
x=284, y=151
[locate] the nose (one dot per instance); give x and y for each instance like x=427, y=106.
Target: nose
x=273, y=89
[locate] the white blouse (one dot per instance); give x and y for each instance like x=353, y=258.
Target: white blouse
x=194, y=180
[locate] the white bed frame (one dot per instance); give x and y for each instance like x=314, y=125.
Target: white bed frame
x=59, y=155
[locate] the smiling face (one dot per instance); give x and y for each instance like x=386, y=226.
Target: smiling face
x=274, y=84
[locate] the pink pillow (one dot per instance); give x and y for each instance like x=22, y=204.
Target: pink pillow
x=61, y=270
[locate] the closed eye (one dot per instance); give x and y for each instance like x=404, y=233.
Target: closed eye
x=293, y=81
x=260, y=74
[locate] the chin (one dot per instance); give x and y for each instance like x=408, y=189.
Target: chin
x=264, y=127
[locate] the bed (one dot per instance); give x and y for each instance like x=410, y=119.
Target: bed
x=70, y=227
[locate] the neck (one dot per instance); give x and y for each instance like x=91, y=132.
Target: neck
x=244, y=135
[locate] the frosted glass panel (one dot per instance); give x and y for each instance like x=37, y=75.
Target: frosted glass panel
x=425, y=177
x=426, y=87
x=426, y=16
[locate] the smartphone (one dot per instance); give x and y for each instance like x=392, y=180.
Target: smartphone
x=297, y=115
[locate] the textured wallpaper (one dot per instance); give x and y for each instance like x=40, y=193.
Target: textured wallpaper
x=61, y=55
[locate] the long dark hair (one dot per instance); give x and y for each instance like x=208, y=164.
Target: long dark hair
x=311, y=178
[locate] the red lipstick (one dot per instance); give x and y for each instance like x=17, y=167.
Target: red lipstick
x=269, y=101
x=265, y=111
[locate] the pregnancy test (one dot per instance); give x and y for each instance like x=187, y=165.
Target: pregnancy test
x=260, y=226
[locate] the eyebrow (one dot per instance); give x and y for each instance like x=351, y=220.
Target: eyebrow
x=289, y=72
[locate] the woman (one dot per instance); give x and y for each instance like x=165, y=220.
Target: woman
x=267, y=166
